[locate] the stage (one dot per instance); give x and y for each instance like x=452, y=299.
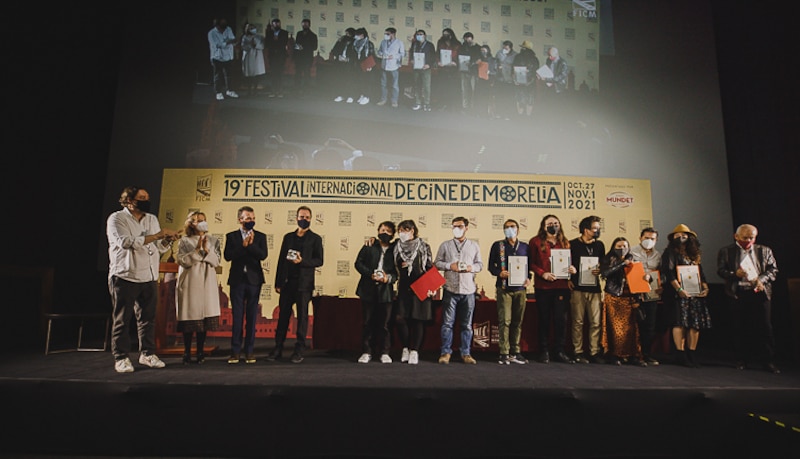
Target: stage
x=74, y=404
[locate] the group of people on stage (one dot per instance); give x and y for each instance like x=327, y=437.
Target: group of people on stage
x=459, y=74
x=575, y=281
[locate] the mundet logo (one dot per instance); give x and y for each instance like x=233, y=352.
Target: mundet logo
x=619, y=199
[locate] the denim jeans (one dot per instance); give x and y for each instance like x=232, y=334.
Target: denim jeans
x=395, y=75
x=457, y=306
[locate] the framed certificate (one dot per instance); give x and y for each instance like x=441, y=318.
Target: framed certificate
x=560, y=260
x=521, y=75
x=463, y=63
x=689, y=277
x=517, y=270
x=445, y=57
x=419, y=61
x=655, y=284
x=585, y=276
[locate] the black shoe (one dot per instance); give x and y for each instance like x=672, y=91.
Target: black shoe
x=504, y=359
x=772, y=368
x=636, y=361
x=544, y=357
x=187, y=358
x=651, y=361
x=741, y=365
x=275, y=354
x=580, y=358
x=597, y=358
x=297, y=357
x=518, y=358
x=563, y=358
x=201, y=358
x=614, y=360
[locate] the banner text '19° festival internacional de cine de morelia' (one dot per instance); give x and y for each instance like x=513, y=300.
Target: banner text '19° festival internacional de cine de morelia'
x=347, y=208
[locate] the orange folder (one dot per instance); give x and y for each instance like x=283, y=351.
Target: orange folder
x=430, y=281
x=634, y=274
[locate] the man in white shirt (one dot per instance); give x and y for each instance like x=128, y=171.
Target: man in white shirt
x=460, y=259
x=391, y=53
x=135, y=244
x=221, y=40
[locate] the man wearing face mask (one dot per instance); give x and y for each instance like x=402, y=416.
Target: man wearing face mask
x=647, y=254
x=375, y=263
x=221, y=40
x=300, y=255
x=245, y=248
x=585, y=297
x=277, y=41
x=391, y=53
x=135, y=244
x=749, y=270
x=511, y=296
x=422, y=58
x=305, y=44
x=469, y=71
x=460, y=260
x=504, y=88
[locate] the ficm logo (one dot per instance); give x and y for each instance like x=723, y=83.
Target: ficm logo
x=619, y=199
x=584, y=9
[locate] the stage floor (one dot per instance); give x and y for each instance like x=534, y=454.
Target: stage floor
x=330, y=406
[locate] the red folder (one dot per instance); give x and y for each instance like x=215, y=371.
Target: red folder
x=634, y=274
x=430, y=281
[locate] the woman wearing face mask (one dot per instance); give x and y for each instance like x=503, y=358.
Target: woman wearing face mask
x=552, y=291
x=422, y=58
x=689, y=314
x=484, y=84
x=447, y=82
x=197, y=290
x=621, y=335
x=375, y=263
x=253, y=67
x=413, y=257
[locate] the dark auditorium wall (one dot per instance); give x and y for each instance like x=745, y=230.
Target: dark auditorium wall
x=61, y=108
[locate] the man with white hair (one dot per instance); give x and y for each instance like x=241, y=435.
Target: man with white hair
x=557, y=65
x=749, y=270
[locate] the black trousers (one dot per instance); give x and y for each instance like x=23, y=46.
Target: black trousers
x=754, y=340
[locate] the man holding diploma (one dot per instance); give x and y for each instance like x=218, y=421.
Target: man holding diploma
x=749, y=270
x=508, y=260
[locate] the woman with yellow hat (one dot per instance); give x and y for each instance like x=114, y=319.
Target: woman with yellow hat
x=688, y=313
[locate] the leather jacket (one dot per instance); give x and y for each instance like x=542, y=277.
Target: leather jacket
x=612, y=270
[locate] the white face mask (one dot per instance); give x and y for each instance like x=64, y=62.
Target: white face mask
x=648, y=244
x=202, y=226
x=510, y=233
x=404, y=236
x=387, y=37
x=458, y=232
x=505, y=51
x=420, y=38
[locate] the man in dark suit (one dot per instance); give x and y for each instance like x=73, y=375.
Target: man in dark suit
x=276, y=41
x=300, y=255
x=749, y=270
x=245, y=248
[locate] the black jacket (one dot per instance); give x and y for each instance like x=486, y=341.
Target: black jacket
x=310, y=247
x=366, y=263
x=613, y=271
x=249, y=256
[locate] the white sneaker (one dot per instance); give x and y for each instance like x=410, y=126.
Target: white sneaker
x=404, y=355
x=123, y=366
x=365, y=358
x=413, y=358
x=151, y=361
x=232, y=94
x=360, y=98
x=364, y=101
x=349, y=100
x=220, y=96
x=338, y=99
x=386, y=359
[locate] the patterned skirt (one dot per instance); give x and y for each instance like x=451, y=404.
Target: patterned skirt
x=620, y=331
x=693, y=313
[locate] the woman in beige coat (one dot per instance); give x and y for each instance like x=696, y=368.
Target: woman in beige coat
x=197, y=290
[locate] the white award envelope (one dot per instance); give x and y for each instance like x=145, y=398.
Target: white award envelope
x=689, y=277
x=749, y=268
x=560, y=260
x=517, y=270
x=585, y=276
x=521, y=75
x=419, y=61
x=544, y=72
x=463, y=63
x=446, y=56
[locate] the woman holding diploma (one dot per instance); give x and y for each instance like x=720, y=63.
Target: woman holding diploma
x=551, y=285
x=685, y=295
x=413, y=258
x=621, y=335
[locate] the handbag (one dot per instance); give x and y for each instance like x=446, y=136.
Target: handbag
x=368, y=63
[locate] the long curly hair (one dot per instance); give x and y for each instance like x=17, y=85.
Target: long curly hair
x=689, y=249
x=561, y=239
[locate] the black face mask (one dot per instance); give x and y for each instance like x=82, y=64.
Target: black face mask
x=552, y=230
x=144, y=206
x=303, y=224
x=597, y=234
x=249, y=225
x=620, y=253
x=385, y=238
